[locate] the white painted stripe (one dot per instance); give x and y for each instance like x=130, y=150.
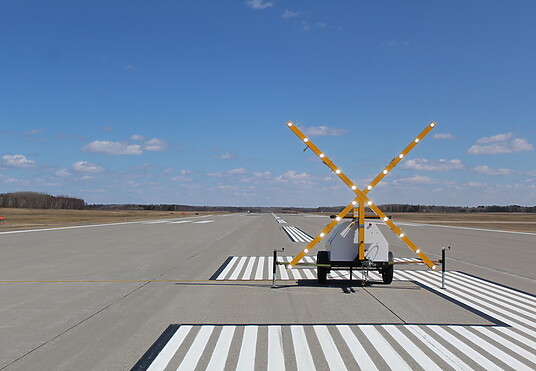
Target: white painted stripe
x=531, y=356
x=490, y=348
x=169, y=350
x=238, y=268
x=282, y=270
x=471, y=229
x=491, y=296
x=360, y=354
x=390, y=356
x=304, y=359
x=221, y=351
x=249, y=268
x=246, y=359
x=309, y=273
x=518, y=337
x=305, y=237
x=331, y=353
x=292, y=234
x=223, y=274
x=295, y=273
x=181, y=221
x=80, y=226
x=469, y=300
x=276, y=358
x=260, y=268
x=436, y=347
x=299, y=234
x=470, y=296
x=409, y=346
x=157, y=222
x=464, y=348
x=204, y=221
x=190, y=360
x=518, y=296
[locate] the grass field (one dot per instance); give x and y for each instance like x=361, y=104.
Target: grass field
x=16, y=219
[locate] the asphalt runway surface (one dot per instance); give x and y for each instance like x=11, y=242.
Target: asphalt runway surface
x=196, y=294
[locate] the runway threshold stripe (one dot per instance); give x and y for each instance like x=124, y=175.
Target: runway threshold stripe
x=470, y=296
x=481, y=306
x=418, y=355
x=436, y=347
x=246, y=359
x=276, y=358
x=464, y=348
x=260, y=269
x=170, y=349
x=193, y=355
x=238, y=269
x=230, y=265
x=249, y=268
x=530, y=356
x=382, y=346
x=221, y=351
x=360, y=354
x=331, y=353
x=221, y=268
x=304, y=359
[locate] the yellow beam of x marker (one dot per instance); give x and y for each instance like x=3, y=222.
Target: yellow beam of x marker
x=361, y=195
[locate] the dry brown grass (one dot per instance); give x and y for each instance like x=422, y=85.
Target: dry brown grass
x=16, y=219
x=518, y=222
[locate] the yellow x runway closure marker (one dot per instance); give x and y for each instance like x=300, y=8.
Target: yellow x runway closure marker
x=362, y=197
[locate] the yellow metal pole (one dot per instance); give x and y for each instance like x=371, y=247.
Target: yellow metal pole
x=361, y=230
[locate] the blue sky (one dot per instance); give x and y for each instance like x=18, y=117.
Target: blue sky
x=186, y=101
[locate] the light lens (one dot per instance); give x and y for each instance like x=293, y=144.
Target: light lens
x=369, y=187
x=354, y=203
x=369, y=203
x=289, y=266
x=401, y=155
x=401, y=235
x=305, y=251
x=306, y=140
x=322, y=234
x=432, y=124
x=418, y=251
x=289, y=124
x=337, y=218
x=385, y=171
x=337, y=171
x=434, y=267
x=321, y=155
x=385, y=219
x=417, y=140
x=354, y=187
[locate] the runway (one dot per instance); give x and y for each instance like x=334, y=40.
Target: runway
x=196, y=294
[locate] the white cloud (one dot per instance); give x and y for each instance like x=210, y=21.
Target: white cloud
x=476, y=184
x=440, y=165
x=417, y=179
x=290, y=14
x=396, y=42
x=486, y=170
x=225, y=156
x=17, y=161
x=62, y=173
x=86, y=167
x=112, y=148
x=137, y=137
x=320, y=131
x=263, y=174
x=155, y=145
x=259, y=4
x=495, y=138
x=500, y=143
x=443, y=136
x=237, y=171
x=293, y=176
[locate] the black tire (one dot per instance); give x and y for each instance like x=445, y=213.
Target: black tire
x=388, y=270
x=322, y=272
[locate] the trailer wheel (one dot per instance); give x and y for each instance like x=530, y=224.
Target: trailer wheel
x=322, y=272
x=388, y=270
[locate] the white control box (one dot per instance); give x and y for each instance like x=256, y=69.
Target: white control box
x=343, y=243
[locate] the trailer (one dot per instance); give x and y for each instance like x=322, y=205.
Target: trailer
x=356, y=241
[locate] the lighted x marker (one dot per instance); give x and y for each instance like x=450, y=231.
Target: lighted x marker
x=362, y=197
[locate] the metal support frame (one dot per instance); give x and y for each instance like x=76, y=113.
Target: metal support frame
x=275, y=264
x=443, y=265
x=361, y=198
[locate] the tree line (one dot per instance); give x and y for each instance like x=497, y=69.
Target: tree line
x=36, y=200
